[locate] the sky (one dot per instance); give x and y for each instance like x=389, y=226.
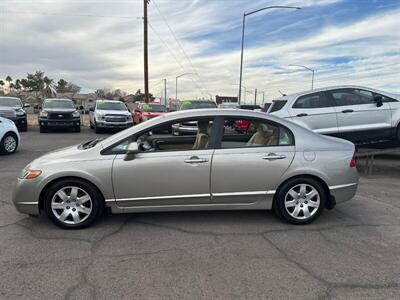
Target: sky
x=99, y=44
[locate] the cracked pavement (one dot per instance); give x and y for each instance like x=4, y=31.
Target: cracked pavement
x=352, y=251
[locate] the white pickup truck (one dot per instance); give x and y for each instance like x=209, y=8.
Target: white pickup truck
x=109, y=114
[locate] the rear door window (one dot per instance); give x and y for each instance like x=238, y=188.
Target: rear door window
x=316, y=100
x=344, y=97
x=277, y=105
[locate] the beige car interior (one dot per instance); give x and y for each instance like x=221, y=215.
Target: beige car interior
x=265, y=135
x=202, y=136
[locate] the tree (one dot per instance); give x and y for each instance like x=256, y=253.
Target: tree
x=2, y=83
x=73, y=88
x=17, y=84
x=61, y=86
x=139, y=96
x=8, y=79
x=36, y=81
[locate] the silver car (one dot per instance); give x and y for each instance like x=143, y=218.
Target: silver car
x=355, y=113
x=273, y=164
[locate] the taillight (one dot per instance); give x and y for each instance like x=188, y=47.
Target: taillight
x=353, y=162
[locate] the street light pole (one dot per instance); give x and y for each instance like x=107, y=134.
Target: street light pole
x=146, y=56
x=309, y=69
x=243, y=25
x=165, y=91
x=176, y=83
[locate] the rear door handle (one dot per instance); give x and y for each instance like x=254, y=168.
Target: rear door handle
x=195, y=160
x=347, y=111
x=302, y=115
x=273, y=156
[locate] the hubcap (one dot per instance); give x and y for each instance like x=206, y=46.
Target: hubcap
x=302, y=201
x=10, y=143
x=71, y=205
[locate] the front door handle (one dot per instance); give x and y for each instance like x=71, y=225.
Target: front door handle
x=347, y=111
x=273, y=156
x=302, y=115
x=195, y=160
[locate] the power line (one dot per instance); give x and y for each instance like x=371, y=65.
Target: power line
x=180, y=45
x=66, y=15
x=174, y=57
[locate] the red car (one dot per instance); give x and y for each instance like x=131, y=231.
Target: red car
x=147, y=111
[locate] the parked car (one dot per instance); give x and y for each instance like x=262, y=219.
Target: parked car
x=243, y=125
x=110, y=114
x=59, y=114
x=14, y=103
x=355, y=113
x=9, y=136
x=226, y=105
x=266, y=107
x=276, y=165
x=146, y=111
x=190, y=127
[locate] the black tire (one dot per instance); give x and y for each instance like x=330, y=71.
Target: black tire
x=91, y=125
x=3, y=149
x=282, y=196
x=97, y=204
x=77, y=129
x=24, y=128
x=42, y=129
x=96, y=128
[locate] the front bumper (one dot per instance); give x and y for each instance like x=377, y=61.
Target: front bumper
x=54, y=123
x=20, y=121
x=25, y=196
x=344, y=192
x=102, y=124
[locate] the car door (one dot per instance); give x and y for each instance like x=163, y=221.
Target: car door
x=172, y=173
x=358, y=114
x=245, y=170
x=315, y=111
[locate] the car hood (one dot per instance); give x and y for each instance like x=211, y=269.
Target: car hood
x=59, y=110
x=66, y=154
x=10, y=107
x=152, y=114
x=113, y=112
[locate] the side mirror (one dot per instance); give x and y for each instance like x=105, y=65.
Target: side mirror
x=379, y=101
x=133, y=148
x=26, y=105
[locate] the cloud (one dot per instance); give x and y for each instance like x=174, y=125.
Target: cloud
x=98, y=44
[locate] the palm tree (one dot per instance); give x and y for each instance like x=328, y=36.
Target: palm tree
x=1, y=83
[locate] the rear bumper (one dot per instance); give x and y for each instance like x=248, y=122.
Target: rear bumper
x=343, y=192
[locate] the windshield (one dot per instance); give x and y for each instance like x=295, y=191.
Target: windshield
x=58, y=104
x=277, y=105
x=105, y=105
x=5, y=101
x=154, y=108
x=197, y=104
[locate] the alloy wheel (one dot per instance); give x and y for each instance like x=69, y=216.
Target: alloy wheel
x=302, y=201
x=71, y=205
x=10, y=143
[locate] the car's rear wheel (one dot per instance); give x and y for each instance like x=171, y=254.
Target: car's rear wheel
x=8, y=143
x=300, y=200
x=73, y=204
x=96, y=128
x=24, y=128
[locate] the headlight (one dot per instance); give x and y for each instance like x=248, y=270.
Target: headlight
x=43, y=114
x=99, y=117
x=129, y=118
x=76, y=114
x=30, y=174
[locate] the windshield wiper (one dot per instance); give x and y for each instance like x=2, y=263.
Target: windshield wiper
x=90, y=143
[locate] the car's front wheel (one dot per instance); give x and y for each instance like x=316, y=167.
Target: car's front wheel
x=73, y=204
x=8, y=143
x=300, y=200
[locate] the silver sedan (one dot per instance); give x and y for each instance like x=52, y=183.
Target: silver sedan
x=237, y=159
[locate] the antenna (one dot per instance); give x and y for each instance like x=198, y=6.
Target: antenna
x=281, y=93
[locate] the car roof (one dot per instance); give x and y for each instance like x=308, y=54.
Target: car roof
x=57, y=99
x=295, y=95
x=107, y=100
x=6, y=97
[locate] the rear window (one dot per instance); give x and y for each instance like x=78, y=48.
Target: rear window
x=277, y=105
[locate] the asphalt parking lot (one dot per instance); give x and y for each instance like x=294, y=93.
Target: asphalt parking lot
x=352, y=251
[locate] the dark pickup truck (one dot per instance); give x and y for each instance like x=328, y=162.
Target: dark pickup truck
x=59, y=114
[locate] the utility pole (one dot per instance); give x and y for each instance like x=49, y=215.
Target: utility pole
x=255, y=96
x=146, y=56
x=165, y=91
